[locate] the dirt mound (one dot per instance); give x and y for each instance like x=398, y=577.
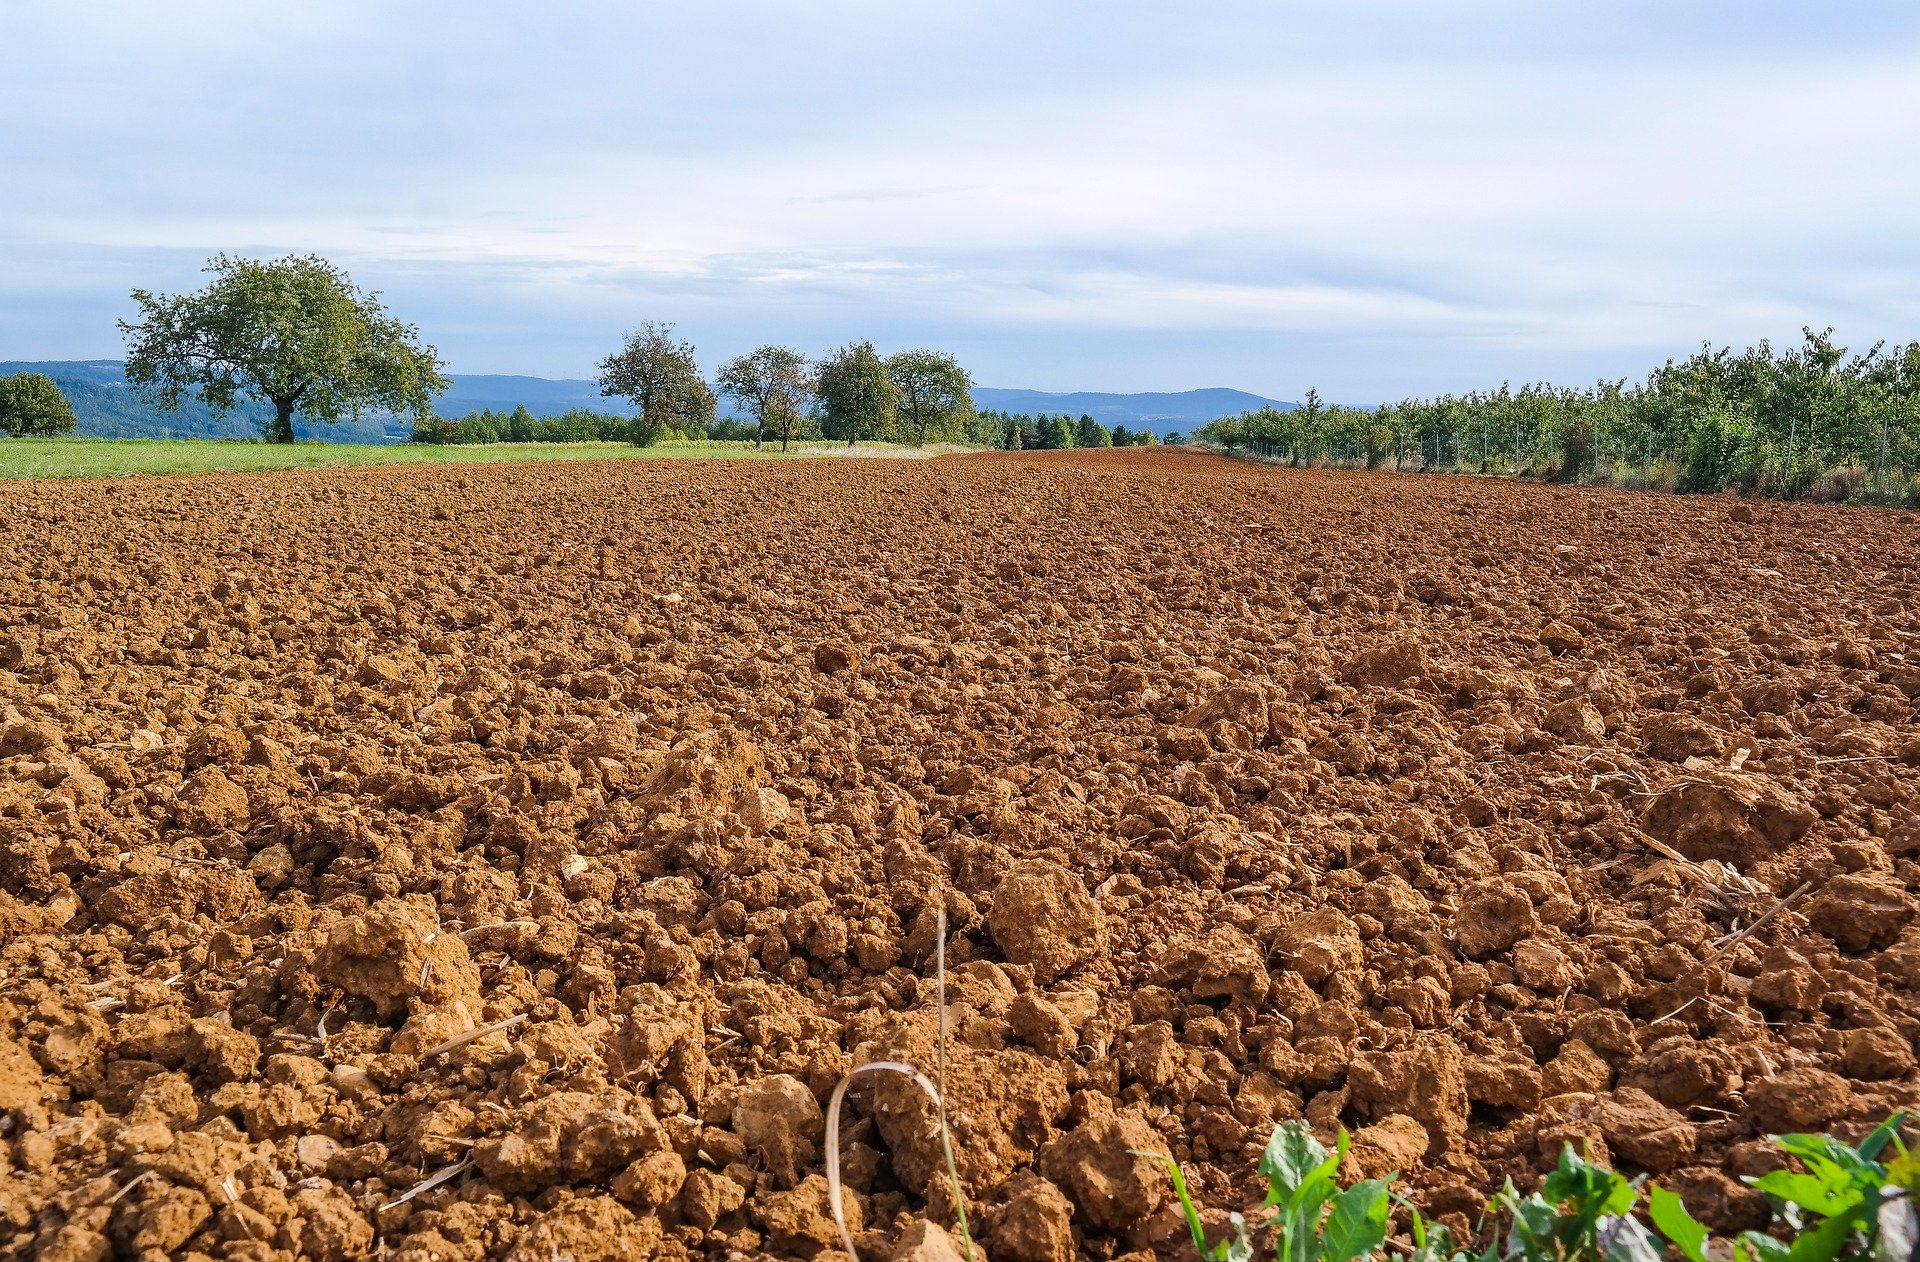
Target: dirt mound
x=508, y=862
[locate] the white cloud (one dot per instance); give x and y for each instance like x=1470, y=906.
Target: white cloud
x=1525, y=187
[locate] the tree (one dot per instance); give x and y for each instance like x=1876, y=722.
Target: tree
x=773, y=382
x=659, y=376
x=1091, y=433
x=31, y=405
x=857, y=397
x=294, y=332
x=1056, y=433
x=935, y=391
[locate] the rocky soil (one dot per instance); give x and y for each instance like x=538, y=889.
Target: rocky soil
x=564, y=833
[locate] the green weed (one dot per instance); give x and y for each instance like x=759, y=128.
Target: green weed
x=1841, y=1204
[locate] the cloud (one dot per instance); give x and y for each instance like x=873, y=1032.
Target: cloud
x=1412, y=193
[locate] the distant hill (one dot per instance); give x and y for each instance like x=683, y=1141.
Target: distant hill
x=1161, y=413
x=108, y=408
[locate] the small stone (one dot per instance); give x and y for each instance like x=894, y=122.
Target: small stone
x=314, y=1152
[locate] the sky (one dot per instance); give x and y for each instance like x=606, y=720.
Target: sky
x=1378, y=199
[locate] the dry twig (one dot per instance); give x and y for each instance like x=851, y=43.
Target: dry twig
x=461, y=1040
x=429, y=1183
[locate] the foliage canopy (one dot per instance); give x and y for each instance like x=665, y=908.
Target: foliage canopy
x=1781, y=422
x=858, y=399
x=935, y=391
x=773, y=381
x=659, y=375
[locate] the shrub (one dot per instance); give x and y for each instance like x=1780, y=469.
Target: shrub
x=1577, y=453
x=31, y=405
x=644, y=433
x=1840, y=485
x=1720, y=452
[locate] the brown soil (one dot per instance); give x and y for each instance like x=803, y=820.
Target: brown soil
x=1417, y=806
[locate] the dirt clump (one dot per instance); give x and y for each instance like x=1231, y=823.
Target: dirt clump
x=1043, y=918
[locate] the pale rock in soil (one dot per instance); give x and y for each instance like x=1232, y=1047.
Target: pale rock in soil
x=779, y=1120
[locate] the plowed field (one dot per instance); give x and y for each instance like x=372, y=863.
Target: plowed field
x=1436, y=809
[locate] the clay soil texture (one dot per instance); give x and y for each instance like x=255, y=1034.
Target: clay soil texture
x=1442, y=810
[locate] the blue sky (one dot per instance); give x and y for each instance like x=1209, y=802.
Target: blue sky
x=1374, y=198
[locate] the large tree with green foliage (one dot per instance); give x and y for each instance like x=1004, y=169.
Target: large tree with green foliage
x=31, y=406
x=935, y=391
x=857, y=397
x=659, y=375
x=773, y=381
x=294, y=332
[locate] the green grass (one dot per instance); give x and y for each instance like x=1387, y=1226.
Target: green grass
x=112, y=458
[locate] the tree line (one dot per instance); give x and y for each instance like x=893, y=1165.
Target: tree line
x=1017, y=431
x=1006, y=431
x=851, y=395
x=296, y=334
x=1813, y=420
x=575, y=425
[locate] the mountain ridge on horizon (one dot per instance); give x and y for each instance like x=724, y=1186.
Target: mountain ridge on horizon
x=107, y=408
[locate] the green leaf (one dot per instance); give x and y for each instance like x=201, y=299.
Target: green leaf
x=1887, y=1132
x=1669, y=1214
x=1760, y=1246
x=1808, y=1191
x=1357, y=1225
x=1291, y=1157
x=1825, y=1242
x=1533, y=1232
x=1194, y=1227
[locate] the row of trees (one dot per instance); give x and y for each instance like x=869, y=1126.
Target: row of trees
x=297, y=335
x=31, y=406
x=575, y=425
x=1017, y=431
x=914, y=396
x=1810, y=420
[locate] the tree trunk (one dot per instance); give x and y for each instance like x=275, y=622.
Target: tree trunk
x=280, y=430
